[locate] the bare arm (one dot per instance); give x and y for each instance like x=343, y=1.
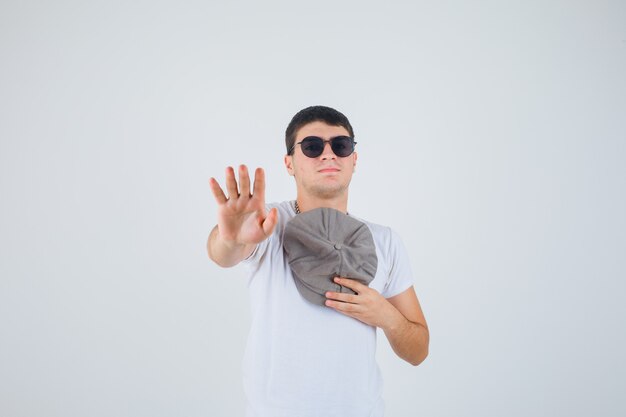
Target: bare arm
x=242, y=222
x=408, y=332
x=400, y=317
x=225, y=253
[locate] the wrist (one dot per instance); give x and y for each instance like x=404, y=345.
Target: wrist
x=396, y=321
x=228, y=243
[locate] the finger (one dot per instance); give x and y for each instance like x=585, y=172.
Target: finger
x=259, y=184
x=218, y=193
x=346, y=298
x=356, y=286
x=270, y=221
x=346, y=308
x=231, y=183
x=244, y=181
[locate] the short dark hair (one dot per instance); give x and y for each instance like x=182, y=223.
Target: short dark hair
x=315, y=114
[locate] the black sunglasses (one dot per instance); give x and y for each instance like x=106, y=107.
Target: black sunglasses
x=313, y=146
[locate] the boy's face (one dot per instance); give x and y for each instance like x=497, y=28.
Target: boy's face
x=327, y=175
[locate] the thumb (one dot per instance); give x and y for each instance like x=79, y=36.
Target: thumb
x=270, y=221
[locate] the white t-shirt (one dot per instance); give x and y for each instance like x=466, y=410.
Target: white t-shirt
x=306, y=360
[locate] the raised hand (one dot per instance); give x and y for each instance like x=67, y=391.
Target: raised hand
x=242, y=219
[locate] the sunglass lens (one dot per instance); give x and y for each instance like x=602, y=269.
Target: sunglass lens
x=342, y=146
x=312, y=147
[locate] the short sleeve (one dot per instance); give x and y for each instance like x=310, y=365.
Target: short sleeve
x=400, y=273
x=257, y=254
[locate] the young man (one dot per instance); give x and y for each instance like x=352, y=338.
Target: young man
x=303, y=359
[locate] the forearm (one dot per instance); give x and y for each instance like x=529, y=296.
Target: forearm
x=408, y=340
x=226, y=254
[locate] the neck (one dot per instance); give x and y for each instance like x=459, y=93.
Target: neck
x=306, y=203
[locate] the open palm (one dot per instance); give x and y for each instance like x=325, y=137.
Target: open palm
x=241, y=217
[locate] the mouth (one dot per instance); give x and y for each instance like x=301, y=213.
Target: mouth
x=326, y=170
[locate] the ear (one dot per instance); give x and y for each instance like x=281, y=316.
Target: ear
x=289, y=164
x=354, y=161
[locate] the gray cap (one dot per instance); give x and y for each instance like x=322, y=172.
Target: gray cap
x=323, y=243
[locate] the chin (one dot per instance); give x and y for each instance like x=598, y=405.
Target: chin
x=329, y=191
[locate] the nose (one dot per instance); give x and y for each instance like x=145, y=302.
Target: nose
x=328, y=152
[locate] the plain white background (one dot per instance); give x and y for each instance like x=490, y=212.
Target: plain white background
x=492, y=137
